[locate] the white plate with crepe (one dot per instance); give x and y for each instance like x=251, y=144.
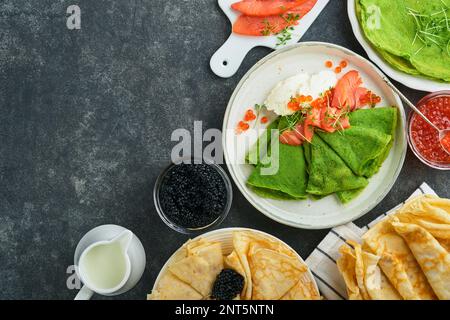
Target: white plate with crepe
x=309, y=57
x=414, y=82
x=225, y=238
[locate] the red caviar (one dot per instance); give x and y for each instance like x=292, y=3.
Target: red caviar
x=242, y=127
x=338, y=70
x=264, y=120
x=249, y=115
x=424, y=136
x=295, y=103
x=343, y=64
x=329, y=64
x=370, y=99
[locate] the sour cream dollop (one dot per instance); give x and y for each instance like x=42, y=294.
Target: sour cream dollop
x=300, y=84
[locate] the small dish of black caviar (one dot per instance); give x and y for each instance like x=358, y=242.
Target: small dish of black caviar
x=191, y=198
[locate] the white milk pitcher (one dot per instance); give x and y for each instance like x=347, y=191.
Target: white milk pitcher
x=105, y=266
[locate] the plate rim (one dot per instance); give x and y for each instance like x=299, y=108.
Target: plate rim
x=231, y=230
x=231, y=167
x=411, y=81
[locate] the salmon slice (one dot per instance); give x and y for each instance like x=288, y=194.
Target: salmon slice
x=348, y=91
x=305, y=131
x=258, y=26
x=334, y=119
x=291, y=138
x=261, y=8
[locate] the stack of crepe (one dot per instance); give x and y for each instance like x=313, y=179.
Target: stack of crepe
x=333, y=163
x=405, y=256
x=271, y=270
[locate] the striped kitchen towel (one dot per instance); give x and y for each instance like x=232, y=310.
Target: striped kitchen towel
x=322, y=261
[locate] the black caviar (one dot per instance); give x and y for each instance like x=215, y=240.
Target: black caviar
x=193, y=195
x=228, y=285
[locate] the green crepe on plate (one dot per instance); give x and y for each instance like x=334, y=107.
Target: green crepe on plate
x=383, y=120
x=359, y=147
x=289, y=182
x=254, y=154
x=328, y=173
x=397, y=62
x=412, y=30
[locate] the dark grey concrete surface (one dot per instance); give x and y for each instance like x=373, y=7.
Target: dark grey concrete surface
x=85, y=124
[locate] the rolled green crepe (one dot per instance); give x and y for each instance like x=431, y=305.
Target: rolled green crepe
x=289, y=182
x=328, y=172
x=359, y=147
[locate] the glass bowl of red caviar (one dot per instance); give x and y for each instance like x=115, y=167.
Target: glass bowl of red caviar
x=424, y=139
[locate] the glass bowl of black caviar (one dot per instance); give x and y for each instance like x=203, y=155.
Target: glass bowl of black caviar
x=192, y=198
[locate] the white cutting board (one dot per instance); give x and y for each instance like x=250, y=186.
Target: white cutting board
x=227, y=60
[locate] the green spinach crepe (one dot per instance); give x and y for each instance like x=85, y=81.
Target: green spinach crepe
x=255, y=154
x=336, y=162
x=290, y=180
x=365, y=146
x=397, y=62
x=384, y=121
x=359, y=147
x=328, y=173
x=412, y=35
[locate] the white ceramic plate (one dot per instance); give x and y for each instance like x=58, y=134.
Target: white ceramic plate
x=254, y=88
x=414, y=82
x=225, y=237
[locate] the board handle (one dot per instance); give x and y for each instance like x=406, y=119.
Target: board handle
x=227, y=60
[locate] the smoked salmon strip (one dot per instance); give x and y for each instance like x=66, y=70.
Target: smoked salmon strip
x=259, y=26
x=261, y=8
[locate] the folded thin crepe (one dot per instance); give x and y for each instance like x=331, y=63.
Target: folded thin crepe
x=398, y=262
x=290, y=180
x=362, y=275
x=349, y=195
x=303, y=290
x=431, y=213
x=259, y=150
x=359, y=147
x=328, y=173
x=384, y=120
x=274, y=273
x=200, y=268
x=246, y=245
x=172, y=288
x=191, y=273
x=347, y=267
x=431, y=256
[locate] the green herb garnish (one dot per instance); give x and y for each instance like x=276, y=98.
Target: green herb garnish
x=432, y=29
